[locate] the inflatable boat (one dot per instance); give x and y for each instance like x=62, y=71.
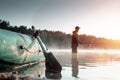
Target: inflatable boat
x=19, y=48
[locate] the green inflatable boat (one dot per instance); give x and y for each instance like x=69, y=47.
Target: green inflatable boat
x=19, y=48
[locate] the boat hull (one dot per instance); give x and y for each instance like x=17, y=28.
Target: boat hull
x=11, y=51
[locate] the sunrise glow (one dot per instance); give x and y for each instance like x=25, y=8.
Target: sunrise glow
x=100, y=18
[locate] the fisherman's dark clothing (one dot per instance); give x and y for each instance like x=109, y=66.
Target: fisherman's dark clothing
x=74, y=42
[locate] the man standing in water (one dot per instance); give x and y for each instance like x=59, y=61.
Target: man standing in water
x=74, y=45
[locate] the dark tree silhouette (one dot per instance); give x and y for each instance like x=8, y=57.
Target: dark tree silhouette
x=57, y=39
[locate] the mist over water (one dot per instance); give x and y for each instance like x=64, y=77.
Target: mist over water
x=101, y=51
x=87, y=56
x=94, y=64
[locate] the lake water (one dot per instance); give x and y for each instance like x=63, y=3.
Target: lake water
x=104, y=72
x=86, y=57
x=93, y=65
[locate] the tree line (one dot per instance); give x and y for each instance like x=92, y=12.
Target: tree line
x=58, y=39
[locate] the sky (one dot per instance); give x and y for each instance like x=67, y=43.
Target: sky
x=100, y=18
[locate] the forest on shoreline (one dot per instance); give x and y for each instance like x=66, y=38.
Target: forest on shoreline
x=61, y=40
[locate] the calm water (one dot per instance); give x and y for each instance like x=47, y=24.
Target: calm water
x=86, y=57
x=93, y=65
x=102, y=72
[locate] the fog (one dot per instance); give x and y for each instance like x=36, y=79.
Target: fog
x=86, y=56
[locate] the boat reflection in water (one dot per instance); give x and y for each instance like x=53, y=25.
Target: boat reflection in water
x=27, y=71
x=37, y=70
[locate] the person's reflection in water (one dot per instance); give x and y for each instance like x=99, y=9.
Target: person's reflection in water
x=74, y=45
